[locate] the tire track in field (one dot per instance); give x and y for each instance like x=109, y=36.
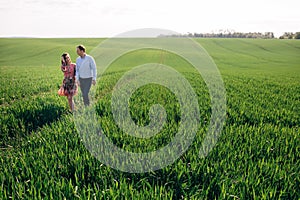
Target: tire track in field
x=37, y=54
x=274, y=55
x=256, y=45
x=291, y=45
x=236, y=51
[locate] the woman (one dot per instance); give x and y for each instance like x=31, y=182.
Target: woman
x=69, y=83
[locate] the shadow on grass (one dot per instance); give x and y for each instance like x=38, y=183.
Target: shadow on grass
x=20, y=120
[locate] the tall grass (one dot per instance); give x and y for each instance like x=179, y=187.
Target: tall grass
x=256, y=157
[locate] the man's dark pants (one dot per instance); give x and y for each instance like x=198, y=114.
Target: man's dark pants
x=85, y=86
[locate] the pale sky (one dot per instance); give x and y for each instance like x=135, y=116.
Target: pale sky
x=107, y=18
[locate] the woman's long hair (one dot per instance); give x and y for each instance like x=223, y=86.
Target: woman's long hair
x=64, y=55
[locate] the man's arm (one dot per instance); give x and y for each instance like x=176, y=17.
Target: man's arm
x=94, y=69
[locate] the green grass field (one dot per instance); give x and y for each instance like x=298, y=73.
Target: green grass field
x=256, y=157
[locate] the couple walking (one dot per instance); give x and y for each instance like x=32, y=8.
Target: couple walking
x=82, y=74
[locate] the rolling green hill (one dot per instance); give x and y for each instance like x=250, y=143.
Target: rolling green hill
x=256, y=157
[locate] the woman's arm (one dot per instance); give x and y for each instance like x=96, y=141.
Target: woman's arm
x=63, y=68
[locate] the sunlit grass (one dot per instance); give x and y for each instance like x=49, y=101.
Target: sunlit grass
x=256, y=157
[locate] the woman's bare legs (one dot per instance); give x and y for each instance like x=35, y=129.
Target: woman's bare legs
x=71, y=102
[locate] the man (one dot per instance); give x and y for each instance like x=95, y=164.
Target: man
x=86, y=73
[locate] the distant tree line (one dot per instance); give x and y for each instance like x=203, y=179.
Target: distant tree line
x=233, y=34
x=225, y=34
x=290, y=35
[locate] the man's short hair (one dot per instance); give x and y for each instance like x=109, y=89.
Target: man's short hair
x=81, y=47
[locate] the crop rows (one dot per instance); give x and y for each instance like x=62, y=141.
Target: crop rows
x=256, y=157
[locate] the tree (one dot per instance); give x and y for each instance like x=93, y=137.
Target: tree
x=297, y=35
x=287, y=35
